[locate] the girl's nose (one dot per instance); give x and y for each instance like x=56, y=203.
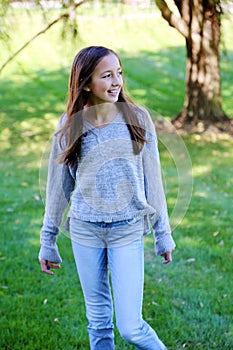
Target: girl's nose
x=117, y=80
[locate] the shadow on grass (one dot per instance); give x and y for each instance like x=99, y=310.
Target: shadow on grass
x=193, y=298
x=31, y=103
x=154, y=79
x=157, y=79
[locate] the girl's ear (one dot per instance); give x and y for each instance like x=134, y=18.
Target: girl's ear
x=87, y=88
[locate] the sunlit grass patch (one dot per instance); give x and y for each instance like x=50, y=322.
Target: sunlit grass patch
x=189, y=301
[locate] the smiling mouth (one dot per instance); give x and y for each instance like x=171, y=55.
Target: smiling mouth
x=113, y=92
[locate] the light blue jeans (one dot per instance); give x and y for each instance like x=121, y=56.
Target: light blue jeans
x=100, y=248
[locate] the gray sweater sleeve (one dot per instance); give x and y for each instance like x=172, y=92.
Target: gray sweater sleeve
x=162, y=233
x=155, y=192
x=60, y=184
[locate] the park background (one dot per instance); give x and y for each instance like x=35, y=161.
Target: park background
x=188, y=302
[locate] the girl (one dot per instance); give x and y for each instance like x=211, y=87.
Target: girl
x=105, y=154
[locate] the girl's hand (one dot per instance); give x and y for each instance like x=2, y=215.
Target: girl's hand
x=47, y=265
x=167, y=257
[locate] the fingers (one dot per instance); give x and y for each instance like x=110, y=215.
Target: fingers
x=167, y=257
x=47, y=265
x=52, y=266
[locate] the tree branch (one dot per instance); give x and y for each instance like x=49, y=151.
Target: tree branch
x=64, y=15
x=173, y=20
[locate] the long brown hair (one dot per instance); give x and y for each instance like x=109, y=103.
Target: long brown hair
x=82, y=69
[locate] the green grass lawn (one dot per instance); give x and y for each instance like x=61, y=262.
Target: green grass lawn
x=188, y=302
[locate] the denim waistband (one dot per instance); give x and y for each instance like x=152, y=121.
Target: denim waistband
x=103, y=235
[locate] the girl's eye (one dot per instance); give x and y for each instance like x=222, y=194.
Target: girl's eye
x=107, y=76
x=110, y=74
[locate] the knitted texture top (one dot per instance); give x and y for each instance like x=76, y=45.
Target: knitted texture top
x=111, y=183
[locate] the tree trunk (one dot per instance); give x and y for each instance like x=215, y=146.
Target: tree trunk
x=203, y=101
x=199, y=23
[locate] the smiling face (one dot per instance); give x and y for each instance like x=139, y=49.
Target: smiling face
x=106, y=81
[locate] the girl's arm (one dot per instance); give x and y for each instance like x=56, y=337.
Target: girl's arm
x=60, y=184
x=164, y=243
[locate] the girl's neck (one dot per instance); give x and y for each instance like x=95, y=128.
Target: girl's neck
x=100, y=115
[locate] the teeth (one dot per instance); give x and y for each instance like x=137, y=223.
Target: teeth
x=113, y=91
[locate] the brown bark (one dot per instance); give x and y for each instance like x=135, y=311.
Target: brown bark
x=203, y=99
x=172, y=19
